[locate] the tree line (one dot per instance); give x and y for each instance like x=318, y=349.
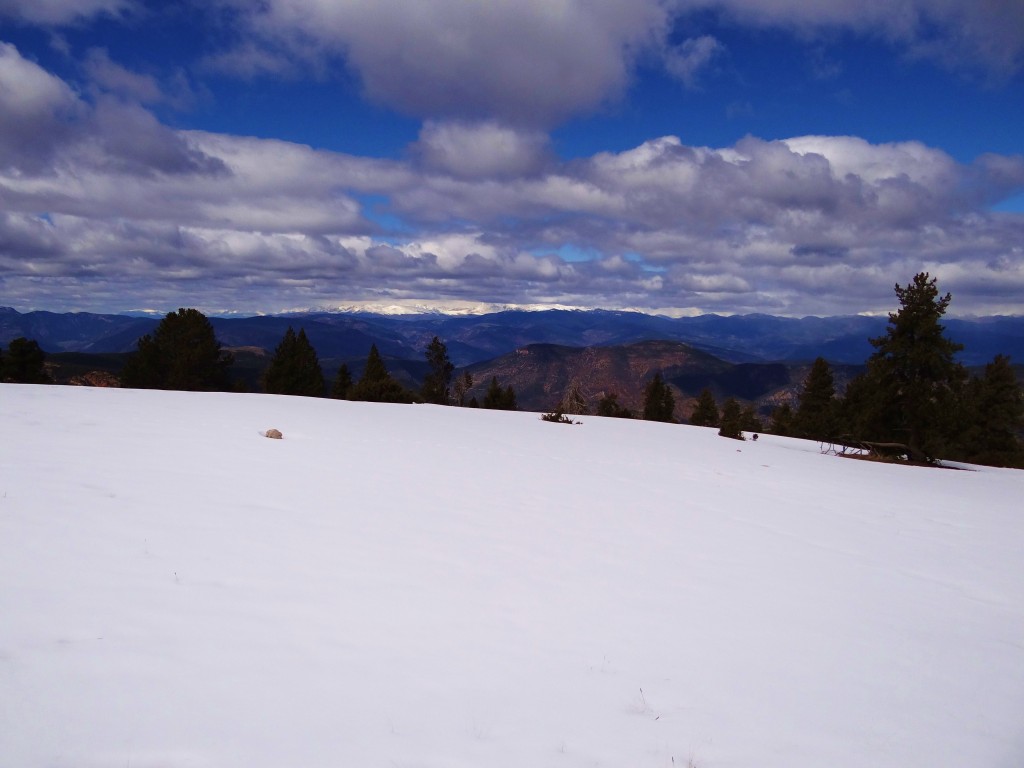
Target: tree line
x=183, y=353
x=913, y=393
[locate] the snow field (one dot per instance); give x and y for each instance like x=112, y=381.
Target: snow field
x=433, y=587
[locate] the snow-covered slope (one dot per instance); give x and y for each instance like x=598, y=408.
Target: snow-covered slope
x=441, y=588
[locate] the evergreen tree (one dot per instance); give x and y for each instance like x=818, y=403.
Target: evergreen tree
x=609, y=406
x=815, y=417
x=24, y=363
x=294, y=368
x=659, y=402
x=782, y=420
x=731, y=422
x=439, y=377
x=376, y=384
x=463, y=384
x=493, y=396
x=500, y=399
x=913, y=381
x=995, y=415
x=706, y=412
x=509, y=400
x=750, y=421
x=342, y=383
x=183, y=354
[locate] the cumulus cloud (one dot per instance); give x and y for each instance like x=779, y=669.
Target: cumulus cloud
x=124, y=206
x=38, y=108
x=524, y=63
x=482, y=150
x=48, y=128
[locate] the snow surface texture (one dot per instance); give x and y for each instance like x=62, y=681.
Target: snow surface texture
x=433, y=587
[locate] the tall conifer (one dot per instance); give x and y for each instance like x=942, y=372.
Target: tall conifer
x=294, y=368
x=376, y=384
x=436, y=385
x=731, y=422
x=182, y=353
x=815, y=417
x=913, y=381
x=706, y=412
x=659, y=402
x=342, y=383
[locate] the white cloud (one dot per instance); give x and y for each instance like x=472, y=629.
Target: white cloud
x=37, y=110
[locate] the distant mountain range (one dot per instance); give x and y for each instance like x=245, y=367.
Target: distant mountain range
x=474, y=339
x=543, y=374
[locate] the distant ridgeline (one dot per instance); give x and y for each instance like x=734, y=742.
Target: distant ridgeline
x=477, y=338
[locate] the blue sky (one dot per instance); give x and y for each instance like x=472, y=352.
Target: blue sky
x=680, y=156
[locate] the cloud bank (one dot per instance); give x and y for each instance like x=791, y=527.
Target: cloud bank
x=103, y=202
x=103, y=206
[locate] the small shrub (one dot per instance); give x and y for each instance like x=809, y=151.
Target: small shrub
x=558, y=418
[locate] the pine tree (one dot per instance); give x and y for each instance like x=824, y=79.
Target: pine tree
x=609, y=406
x=509, y=401
x=295, y=368
x=438, y=379
x=659, y=402
x=912, y=384
x=500, y=399
x=731, y=420
x=995, y=417
x=815, y=417
x=782, y=420
x=182, y=354
x=342, y=383
x=706, y=412
x=750, y=421
x=376, y=384
x=494, y=396
x=24, y=363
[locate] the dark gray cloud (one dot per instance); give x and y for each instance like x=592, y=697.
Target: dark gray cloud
x=482, y=150
x=47, y=127
x=527, y=64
